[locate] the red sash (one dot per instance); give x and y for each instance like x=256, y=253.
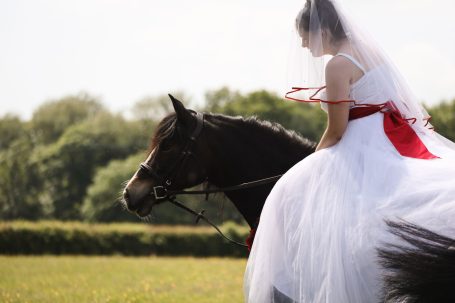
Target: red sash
x=397, y=129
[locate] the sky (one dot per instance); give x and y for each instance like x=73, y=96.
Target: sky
x=124, y=50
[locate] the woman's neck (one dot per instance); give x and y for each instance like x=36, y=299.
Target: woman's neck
x=341, y=46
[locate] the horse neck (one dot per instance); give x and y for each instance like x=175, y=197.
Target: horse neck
x=242, y=152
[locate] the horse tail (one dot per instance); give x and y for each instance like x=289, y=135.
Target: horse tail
x=421, y=272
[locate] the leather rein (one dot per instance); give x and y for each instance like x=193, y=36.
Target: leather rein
x=162, y=193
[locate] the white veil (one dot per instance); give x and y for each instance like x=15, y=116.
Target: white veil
x=307, y=69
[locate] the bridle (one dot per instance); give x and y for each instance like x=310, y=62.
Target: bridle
x=162, y=192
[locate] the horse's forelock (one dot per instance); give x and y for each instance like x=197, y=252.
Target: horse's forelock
x=165, y=129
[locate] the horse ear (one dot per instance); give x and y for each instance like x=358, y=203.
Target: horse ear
x=183, y=115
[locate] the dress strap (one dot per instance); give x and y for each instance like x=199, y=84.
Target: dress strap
x=353, y=61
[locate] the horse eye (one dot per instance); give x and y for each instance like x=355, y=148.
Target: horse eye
x=165, y=146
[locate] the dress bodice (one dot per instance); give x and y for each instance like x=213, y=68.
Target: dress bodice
x=372, y=87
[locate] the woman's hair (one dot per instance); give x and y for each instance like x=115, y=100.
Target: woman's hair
x=328, y=18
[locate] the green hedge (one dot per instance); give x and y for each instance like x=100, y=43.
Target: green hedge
x=51, y=237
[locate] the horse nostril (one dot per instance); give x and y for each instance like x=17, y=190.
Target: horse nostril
x=130, y=204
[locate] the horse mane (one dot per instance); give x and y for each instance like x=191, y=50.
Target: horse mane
x=269, y=128
x=167, y=125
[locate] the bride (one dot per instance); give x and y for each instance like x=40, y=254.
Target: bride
x=378, y=159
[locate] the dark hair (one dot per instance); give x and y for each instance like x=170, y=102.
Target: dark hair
x=328, y=18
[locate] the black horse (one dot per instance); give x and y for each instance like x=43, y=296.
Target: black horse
x=227, y=151
x=189, y=148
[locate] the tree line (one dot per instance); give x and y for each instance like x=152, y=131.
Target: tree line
x=69, y=161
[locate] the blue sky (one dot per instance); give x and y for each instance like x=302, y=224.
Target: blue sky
x=122, y=51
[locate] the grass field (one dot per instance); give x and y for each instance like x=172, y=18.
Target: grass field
x=120, y=279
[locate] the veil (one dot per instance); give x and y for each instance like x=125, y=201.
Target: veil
x=323, y=218
x=321, y=21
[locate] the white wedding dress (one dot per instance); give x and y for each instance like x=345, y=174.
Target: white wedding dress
x=323, y=220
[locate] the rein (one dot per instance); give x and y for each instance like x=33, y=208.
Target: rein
x=169, y=195
x=166, y=192
x=161, y=192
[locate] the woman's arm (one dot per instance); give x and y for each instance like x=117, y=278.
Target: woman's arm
x=337, y=82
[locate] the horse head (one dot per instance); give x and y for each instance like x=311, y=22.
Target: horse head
x=177, y=159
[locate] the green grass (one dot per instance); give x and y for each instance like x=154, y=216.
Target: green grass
x=120, y=279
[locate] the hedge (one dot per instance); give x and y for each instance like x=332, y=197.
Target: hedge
x=52, y=237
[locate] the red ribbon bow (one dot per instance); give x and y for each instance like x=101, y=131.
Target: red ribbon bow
x=398, y=130
x=403, y=136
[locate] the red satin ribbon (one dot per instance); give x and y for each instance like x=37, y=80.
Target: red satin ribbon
x=249, y=241
x=397, y=128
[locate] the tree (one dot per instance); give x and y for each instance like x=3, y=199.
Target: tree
x=155, y=108
x=307, y=119
x=52, y=118
x=11, y=129
x=217, y=100
x=20, y=182
x=69, y=164
x=443, y=119
x=101, y=202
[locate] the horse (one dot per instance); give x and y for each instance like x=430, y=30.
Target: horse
x=190, y=148
x=227, y=151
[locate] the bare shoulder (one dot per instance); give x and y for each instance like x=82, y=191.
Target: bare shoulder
x=338, y=71
x=338, y=66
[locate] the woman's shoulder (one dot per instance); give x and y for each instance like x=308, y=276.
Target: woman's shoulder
x=338, y=66
x=338, y=70
x=346, y=66
x=337, y=63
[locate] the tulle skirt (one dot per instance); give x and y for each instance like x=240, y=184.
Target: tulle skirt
x=323, y=220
